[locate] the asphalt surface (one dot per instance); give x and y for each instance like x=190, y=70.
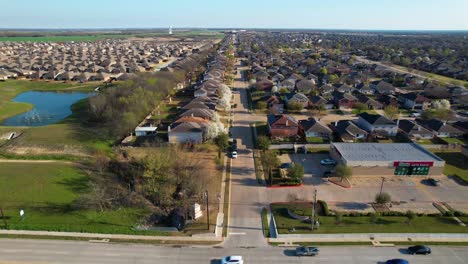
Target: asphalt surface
x=245, y=225
x=55, y=251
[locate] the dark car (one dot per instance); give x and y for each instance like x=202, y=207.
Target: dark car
x=285, y=165
x=307, y=251
x=397, y=261
x=419, y=249
x=327, y=174
x=433, y=182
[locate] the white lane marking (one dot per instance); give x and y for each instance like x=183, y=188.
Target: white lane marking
x=237, y=233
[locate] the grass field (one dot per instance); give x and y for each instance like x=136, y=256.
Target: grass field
x=66, y=38
x=363, y=224
x=455, y=164
x=46, y=196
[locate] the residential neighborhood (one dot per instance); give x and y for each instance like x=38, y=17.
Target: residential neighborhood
x=234, y=133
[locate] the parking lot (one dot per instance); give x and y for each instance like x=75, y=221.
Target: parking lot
x=408, y=193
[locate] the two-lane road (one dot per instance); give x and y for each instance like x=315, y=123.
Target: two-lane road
x=71, y=252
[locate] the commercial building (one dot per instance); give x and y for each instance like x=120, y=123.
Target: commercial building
x=385, y=159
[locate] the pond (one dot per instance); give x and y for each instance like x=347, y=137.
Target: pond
x=49, y=107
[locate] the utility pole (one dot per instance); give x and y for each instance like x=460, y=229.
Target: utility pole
x=381, y=186
x=312, y=218
x=207, y=210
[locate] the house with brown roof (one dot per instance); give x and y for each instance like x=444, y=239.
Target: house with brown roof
x=280, y=126
x=312, y=128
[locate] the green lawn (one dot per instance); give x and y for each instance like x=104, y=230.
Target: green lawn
x=317, y=140
x=45, y=191
x=455, y=164
x=453, y=141
x=387, y=224
x=57, y=38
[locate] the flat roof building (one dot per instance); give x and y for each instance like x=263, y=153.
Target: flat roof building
x=384, y=159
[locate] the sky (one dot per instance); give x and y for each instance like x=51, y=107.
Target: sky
x=304, y=14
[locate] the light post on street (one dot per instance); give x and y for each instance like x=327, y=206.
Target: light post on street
x=381, y=186
x=207, y=211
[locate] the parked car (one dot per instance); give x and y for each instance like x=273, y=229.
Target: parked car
x=433, y=182
x=327, y=162
x=397, y=261
x=419, y=249
x=232, y=260
x=234, y=154
x=327, y=174
x=415, y=115
x=285, y=165
x=307, y=251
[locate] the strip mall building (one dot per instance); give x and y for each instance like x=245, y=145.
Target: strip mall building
x=385, y=159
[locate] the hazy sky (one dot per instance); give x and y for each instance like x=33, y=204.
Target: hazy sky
x=316, y=14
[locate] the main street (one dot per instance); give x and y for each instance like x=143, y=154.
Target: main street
x=70, y=252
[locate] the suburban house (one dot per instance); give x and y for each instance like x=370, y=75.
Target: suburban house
x=348, y=131
x=440, y=128
x=413, y=130
x=312, y=128
x=344, y=101
x=369, y=102
x=378, y=124
x=298, y=98
x=382, y=87
x=199, y=112
x=317, y=100
x=186, y=132
x=415, y=101
x=282, y=126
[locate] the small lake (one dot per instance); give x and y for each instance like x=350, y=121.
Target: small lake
x=49, y=107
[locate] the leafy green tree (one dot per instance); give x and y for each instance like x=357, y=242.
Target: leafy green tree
x=344, y=172
x=383, y=198
x=296, y=172
x=295, y=106
x=261, y=105
x=410, y=215
x=333, y=78
x=283, y=90
x=222, y=141
x=360, y=107
x=263, y=142
x=270, y=161
x=391, y=112
x=323, y=71
x=338, y=217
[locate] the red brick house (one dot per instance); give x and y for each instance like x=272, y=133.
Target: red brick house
x=282, y=126
x=344, y=101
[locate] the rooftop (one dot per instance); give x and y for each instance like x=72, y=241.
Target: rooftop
x=384, y=152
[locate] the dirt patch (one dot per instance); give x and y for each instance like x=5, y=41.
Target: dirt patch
x=37, y=150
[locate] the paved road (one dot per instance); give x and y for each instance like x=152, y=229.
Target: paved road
x=245, y=226
x=54, y=251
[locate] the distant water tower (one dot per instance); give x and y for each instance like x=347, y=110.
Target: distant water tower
x=170, y=30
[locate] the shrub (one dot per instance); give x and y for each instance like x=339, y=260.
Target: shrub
x=261, y=105
x=324, y=207
x=449, y=213
x=410, y=215
x=383, y=198
x=338, y=217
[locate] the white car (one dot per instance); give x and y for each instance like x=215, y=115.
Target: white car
x=232, y=260
x=327, y=162
x=234, y=154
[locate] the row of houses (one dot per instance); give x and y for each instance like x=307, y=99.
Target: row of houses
x=86, y=61
x=198, y=119
x=281, y=126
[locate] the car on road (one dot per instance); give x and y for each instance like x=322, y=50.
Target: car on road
x=327, y=174
x=232, y=260
x=307, y=251
x=419, y=249
x=327, y=162
x=433, y=182
x=397, y=261
x=415, y=115
x=285, y=165
x=234, y=154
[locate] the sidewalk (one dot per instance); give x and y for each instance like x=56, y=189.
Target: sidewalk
x=368, y=237
x=111, y=236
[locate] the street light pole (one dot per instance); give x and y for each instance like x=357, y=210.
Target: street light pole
x=381, y=186
x=207, y=210
x=312, y=218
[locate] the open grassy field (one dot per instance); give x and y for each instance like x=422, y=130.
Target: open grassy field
x=46, y=191
x=455, y=164
x=363, y=224
x=58, y=38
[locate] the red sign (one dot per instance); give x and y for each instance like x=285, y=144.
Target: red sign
x=413, y=163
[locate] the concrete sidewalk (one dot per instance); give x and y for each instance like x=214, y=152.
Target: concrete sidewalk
x=368, y=237
x=111, y=236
